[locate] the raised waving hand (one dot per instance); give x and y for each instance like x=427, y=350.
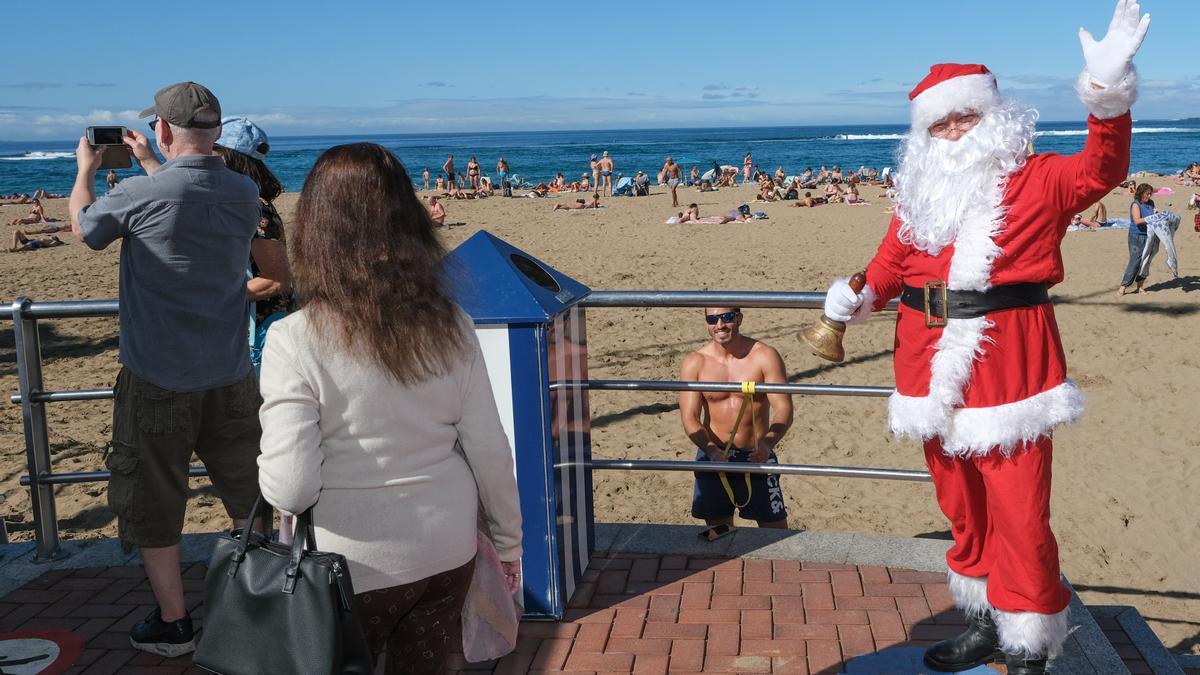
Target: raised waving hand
x=1110, y=59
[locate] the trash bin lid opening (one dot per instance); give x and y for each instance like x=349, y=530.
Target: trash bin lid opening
x=535, y=273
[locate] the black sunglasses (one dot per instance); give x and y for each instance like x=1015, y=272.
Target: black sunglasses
x=727, y=317
x=152, y=123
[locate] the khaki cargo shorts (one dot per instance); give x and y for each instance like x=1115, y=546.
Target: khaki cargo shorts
x=155, y=431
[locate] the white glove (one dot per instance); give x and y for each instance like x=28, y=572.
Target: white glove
x=1109, y=60
x=841, y=301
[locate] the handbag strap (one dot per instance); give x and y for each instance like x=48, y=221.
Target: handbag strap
x=244, y=539
x=305, y=539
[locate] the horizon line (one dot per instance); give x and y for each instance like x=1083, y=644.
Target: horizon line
x=618, y=129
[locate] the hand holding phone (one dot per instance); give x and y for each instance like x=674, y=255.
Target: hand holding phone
x=88, y=157
x=111, y=143
x=139, y=145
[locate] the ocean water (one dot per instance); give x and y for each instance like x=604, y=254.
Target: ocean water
x=1158, y=146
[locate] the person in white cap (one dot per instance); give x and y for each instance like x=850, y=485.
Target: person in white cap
x=606, y=171
x=980, y=370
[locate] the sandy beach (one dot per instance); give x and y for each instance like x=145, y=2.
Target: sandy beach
x=1127, y=478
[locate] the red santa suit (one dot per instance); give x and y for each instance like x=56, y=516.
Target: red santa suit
x=984, y=394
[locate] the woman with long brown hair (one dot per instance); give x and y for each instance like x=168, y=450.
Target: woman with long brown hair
x=366, y=392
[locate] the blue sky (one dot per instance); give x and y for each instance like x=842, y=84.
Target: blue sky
x=378, y=67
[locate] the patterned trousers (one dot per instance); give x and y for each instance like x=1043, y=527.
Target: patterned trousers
x=412, y=626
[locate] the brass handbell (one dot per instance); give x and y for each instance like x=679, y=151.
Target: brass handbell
x=824, y=338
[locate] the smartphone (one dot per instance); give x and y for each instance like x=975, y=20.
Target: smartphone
x=116, y=157
x=116, y=153
x=105, y=135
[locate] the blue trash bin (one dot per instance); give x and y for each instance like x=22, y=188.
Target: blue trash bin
x=532, y=331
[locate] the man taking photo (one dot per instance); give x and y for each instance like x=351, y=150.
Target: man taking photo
x=185, y=383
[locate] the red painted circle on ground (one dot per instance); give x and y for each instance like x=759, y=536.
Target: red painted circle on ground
x=24, y=651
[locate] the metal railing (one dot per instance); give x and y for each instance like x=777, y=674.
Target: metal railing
x=758, y=299
x=732, y=387
x=774, y=469
x=785, y=300
x=32, y=397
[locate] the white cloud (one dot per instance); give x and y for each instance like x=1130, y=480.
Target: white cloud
x=94, y=117
x=271, y=118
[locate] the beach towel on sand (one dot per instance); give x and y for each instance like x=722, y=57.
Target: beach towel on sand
x=1160, y=227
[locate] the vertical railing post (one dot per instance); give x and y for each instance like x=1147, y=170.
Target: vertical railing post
x=37, y=440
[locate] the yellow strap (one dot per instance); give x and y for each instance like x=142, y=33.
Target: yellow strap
x=747, y=402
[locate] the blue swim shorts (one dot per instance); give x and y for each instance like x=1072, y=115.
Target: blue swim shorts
x=710, y=501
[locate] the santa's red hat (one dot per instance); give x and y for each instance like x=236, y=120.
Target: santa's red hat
x=952, y=87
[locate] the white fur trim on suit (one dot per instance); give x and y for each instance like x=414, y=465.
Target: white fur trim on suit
x=970, y=594
x=1032, y=635
x=965, y=92
x=864, y=310
x=975, y=432
x=923, y=417
x=1108, y=102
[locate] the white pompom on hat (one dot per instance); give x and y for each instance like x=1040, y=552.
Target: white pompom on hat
x=952, y=87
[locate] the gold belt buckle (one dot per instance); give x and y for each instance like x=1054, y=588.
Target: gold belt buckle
x=932, y=320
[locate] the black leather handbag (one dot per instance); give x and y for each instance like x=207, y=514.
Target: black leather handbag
x=274, y=609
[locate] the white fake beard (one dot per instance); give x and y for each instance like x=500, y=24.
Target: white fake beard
x=942, y=184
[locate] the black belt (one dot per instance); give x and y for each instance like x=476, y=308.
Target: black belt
x=939, y=303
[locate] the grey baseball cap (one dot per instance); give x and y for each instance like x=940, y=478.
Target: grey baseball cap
x=179, y=103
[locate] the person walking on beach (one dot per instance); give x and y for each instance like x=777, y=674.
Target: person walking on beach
x=185, y=382
x=1139, y=209
x=594, y=163
x=673, y=174
x=747, y=166
x=448, y=169
x=425, y=177
x=606, y=171
x=980, y=368
x=502, y=172
x=730, y=428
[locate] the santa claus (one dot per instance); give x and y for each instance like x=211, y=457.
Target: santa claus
x=980, y=372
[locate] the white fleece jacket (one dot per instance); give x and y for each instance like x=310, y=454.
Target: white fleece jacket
x=378, y=458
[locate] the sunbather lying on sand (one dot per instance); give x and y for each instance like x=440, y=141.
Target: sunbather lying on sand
x=22, y=243
x=1098, y=218
x=36, y=215
x=691, y=215
x=580, y=204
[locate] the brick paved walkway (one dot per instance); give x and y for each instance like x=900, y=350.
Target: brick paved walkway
x=654, y=614
x=100, y=604
x=639, y=613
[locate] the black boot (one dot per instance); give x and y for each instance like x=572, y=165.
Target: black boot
x=976, y=646
x=1018, y=665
